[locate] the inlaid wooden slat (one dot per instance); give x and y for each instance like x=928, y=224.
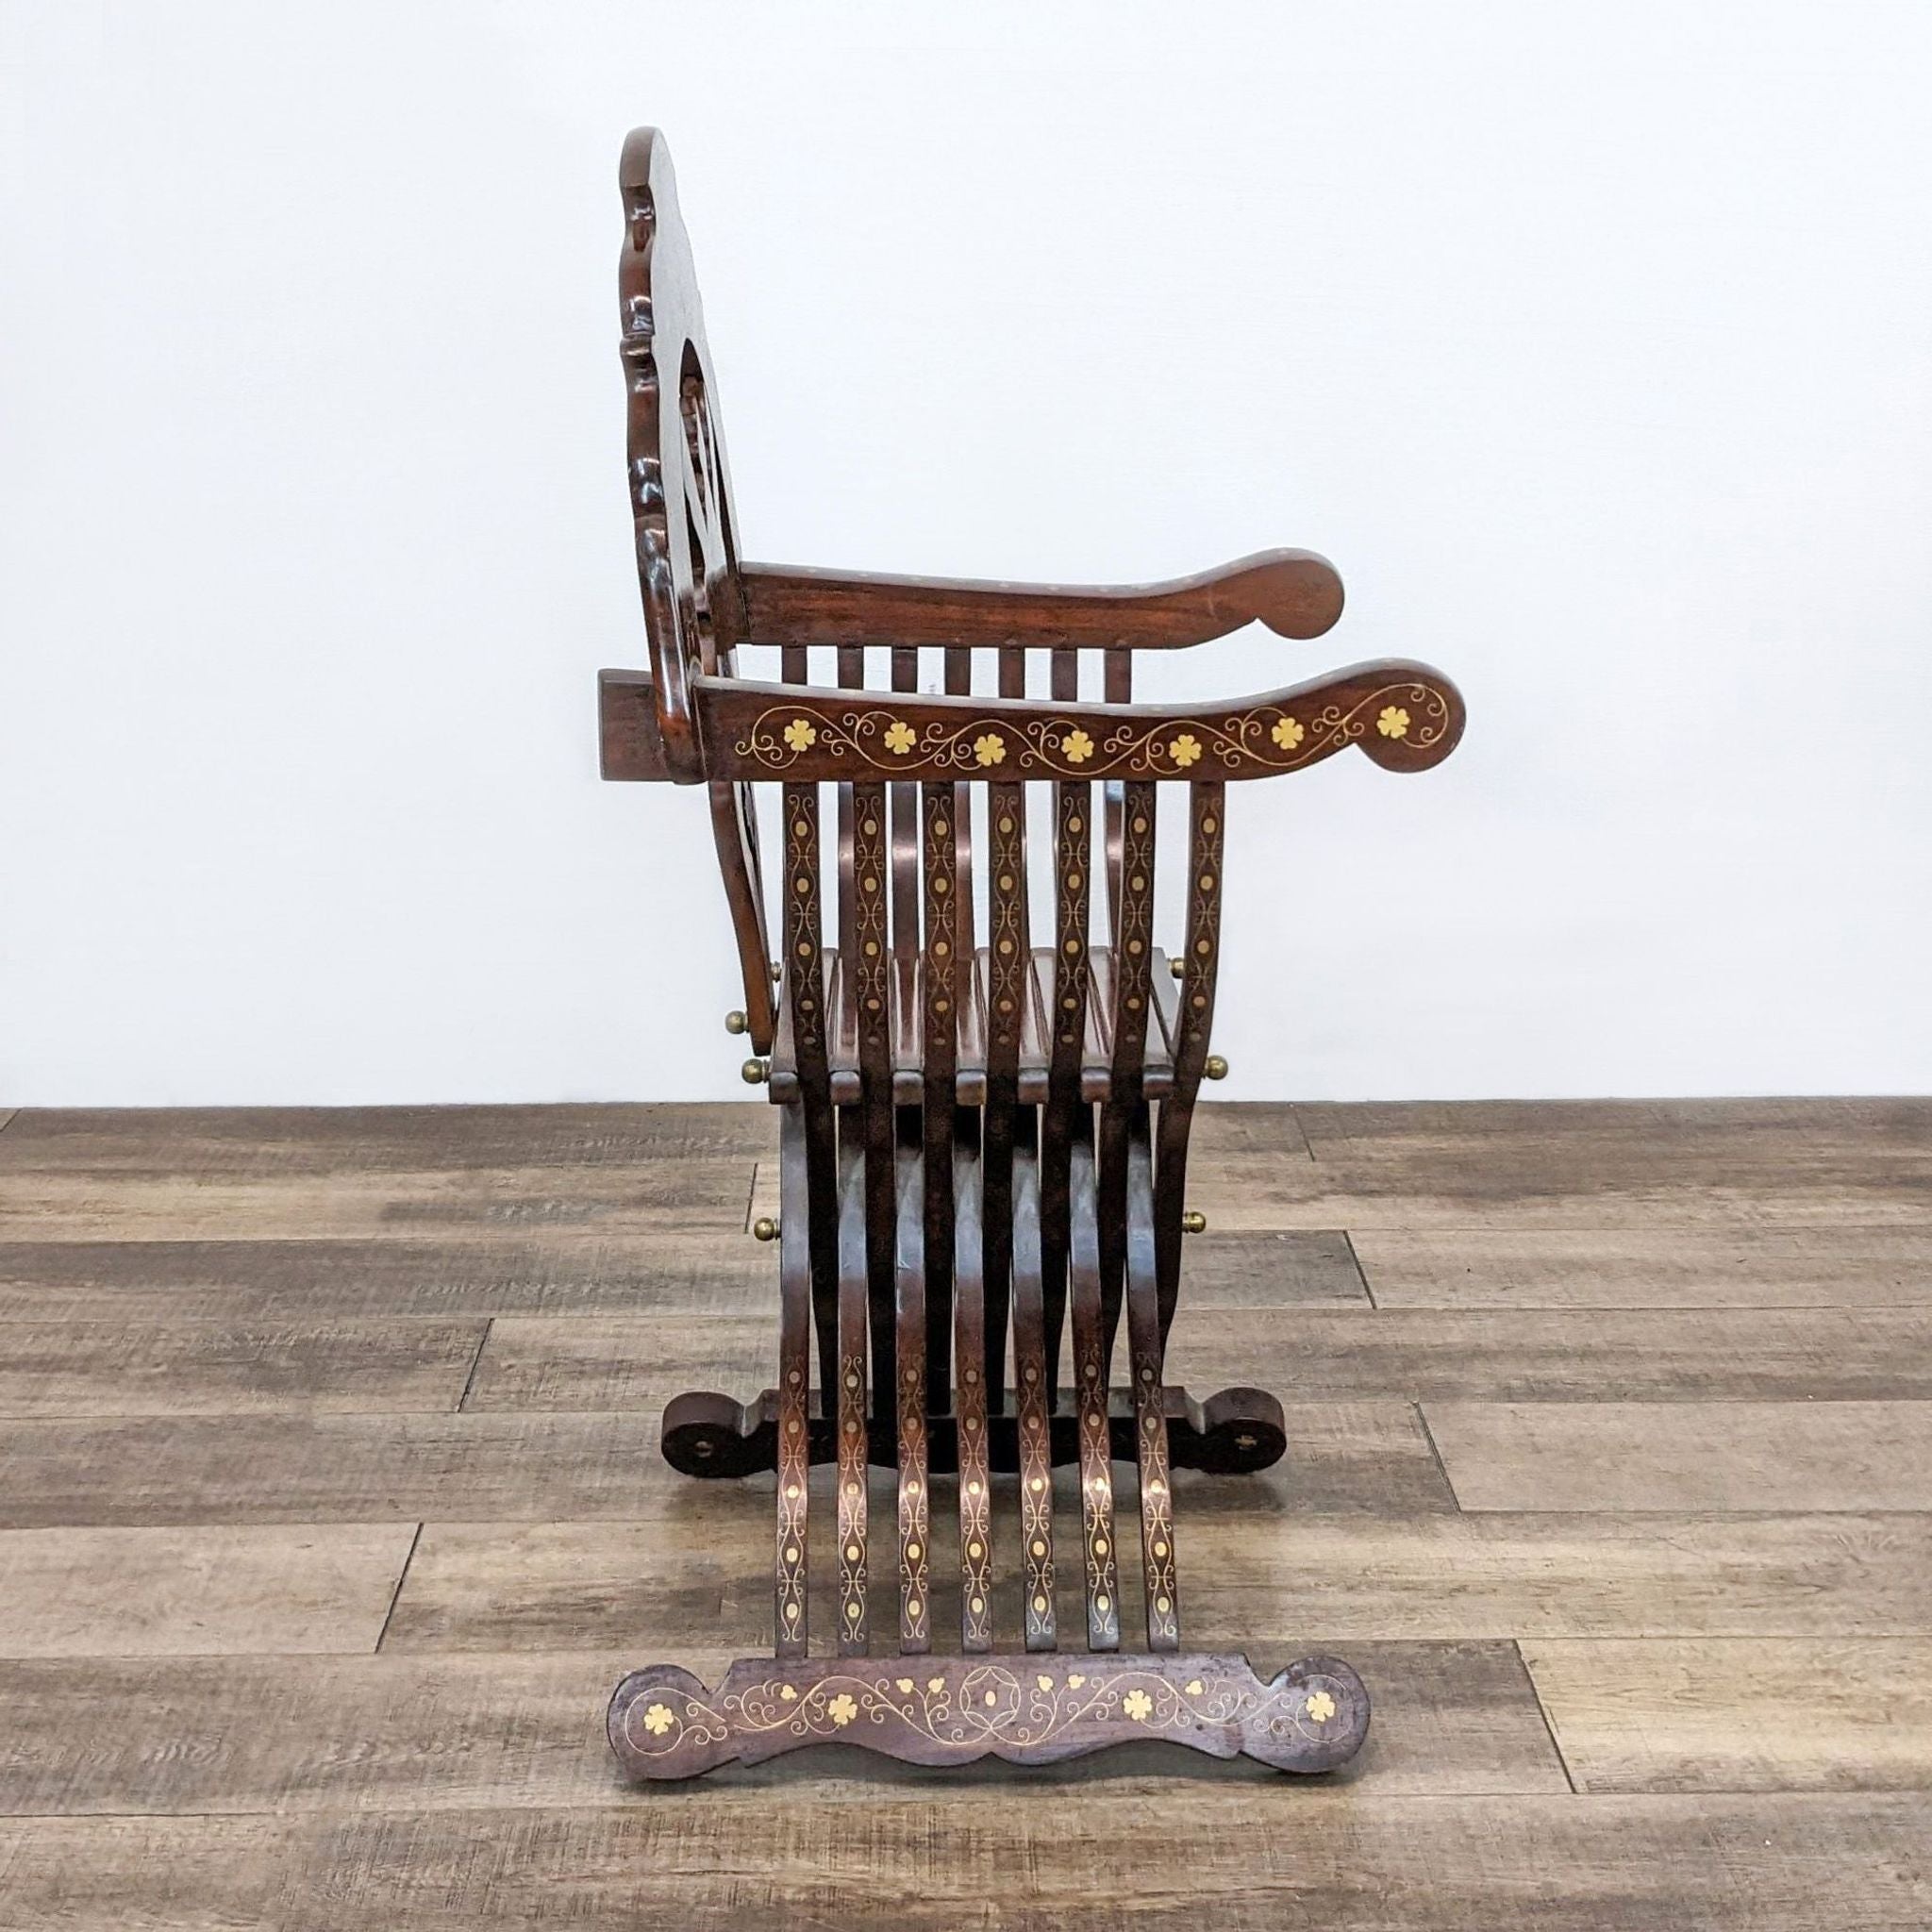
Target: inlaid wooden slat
x=1206, y=844
x=1031, y=1371
x=1066, y=1015
x=870, y=972
x=942, y=974
x=1090, y=1390
x=791, y=1597
x=853, y=1325
x=806, y=996
x=1752, y=1714
x=213, y=1590
x=970, y=1406
x=1008, y=986
x=1131, y=960
x=915, y=1539
x=1687, y=1455
x=1150, y=1419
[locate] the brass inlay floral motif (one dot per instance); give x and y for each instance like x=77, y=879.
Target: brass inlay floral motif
x=971, y=1708
x=1264, y=739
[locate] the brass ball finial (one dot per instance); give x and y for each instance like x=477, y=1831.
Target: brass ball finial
x=1193, y=1222
x=736, y=1022
x=764, y=1230
x=755, y=1073
x=1178, y=968
x=1216, y=1068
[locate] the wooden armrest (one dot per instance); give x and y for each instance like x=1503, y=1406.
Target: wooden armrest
x=1295, y=592
x=1404, y=716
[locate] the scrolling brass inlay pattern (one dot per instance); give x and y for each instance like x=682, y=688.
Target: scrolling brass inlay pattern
x=1203, y=930
x=915, y=1592
x=805, y=981
x=664, y=1723
x=1133, y=939
x=1074, y=816
x=852, y=1455
x=1267, y=739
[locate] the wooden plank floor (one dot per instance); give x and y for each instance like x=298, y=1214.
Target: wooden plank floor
x=331, y=1507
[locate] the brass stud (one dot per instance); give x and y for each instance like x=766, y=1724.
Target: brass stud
x=1193, y=1222
x=735, y=1022
x=1216, y=1068
x=755, y=1073
x=1177, y=967
x=764, y=1230
x=777, y=972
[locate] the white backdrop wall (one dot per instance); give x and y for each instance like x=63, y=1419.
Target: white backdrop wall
x=1591, y=344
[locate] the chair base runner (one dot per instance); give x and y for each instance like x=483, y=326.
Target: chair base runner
x=1233, y=1432
x=1310, y=1717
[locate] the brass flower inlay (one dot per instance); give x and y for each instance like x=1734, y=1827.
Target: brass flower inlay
x=1288, y=733
x=904, y=1687
x=1074, y=1680
x=899, y=737
x=989, y=748
x=801, y=735
x=658, y=1720
x=1138, y=1706
x=1185, y=750
x=1044, y=1682
x=788, y=1693
x=1076, y=747
x=1321, y=1707
x=935, y=1685
x=841, y=1711
x=1194, y=1687
x=1394, y=721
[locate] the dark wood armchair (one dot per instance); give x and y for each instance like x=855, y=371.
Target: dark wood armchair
x=983, y=1133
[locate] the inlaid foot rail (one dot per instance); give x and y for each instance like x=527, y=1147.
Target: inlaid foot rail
x=1310, y=1717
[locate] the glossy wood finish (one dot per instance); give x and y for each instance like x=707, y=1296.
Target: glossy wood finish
x=947, y=1184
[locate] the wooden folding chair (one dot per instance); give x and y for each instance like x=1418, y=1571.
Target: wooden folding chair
x=983, y=1141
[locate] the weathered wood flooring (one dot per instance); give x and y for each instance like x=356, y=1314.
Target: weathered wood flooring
x=330, y=1510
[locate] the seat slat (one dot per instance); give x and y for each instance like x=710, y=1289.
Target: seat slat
x=915, y=1542
x=854, y=1313
x=969, y=1349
